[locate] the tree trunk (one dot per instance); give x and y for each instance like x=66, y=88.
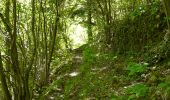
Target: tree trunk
x=3, y=81
x=53, y=41
x=14, y=57
x=89, y=17
x=107, y=6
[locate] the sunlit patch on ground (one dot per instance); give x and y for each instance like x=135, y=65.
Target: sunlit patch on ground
x=73, y=74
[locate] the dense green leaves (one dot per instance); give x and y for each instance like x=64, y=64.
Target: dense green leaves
x=139, y=90
x=39, y=60
x=89, y=55
x=135, y=68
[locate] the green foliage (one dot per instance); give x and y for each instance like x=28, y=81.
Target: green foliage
x=164, y=87
x=137, y=12
x=138, y=90
x=144, y=24
x=131, y=26
x=135, y=68
x=69, y=87
x=167, y=18
x=107, y=56
x=89, y=56
x=47, y=89
x=78, y=12
x=155, y=7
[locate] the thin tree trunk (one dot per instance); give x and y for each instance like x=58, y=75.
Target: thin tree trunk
x=108, y=21
x=26, y=83
x=14, y=57
x=3, y=81
x=53, y=41
x=89, y=21
x=45, y=41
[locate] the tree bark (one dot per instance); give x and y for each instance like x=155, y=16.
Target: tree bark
x=53, y=41
x=3, y=81
x=89, y=17
x=14, y=57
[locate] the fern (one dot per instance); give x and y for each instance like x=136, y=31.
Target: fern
x=138, y=90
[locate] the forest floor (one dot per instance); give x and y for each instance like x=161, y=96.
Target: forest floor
x=106, y=77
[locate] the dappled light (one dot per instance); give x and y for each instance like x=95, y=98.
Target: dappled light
x=26, y=2
x=84, y=49
x=73, y=74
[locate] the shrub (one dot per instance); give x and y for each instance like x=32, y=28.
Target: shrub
x=135, y=68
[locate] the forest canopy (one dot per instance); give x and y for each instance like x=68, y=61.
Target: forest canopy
x=84, y=49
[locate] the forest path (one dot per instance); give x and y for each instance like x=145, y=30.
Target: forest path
x=72, y=72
